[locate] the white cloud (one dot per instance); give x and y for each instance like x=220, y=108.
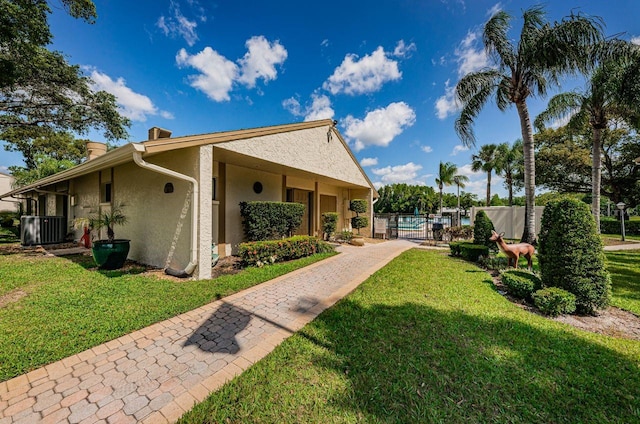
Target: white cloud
x=177, y=25
x=403, y=50
x=458, y=149
x=379, y=127
x=407, y=173
x=260, y=60
x=320, y=107
x=426, y=149
x=477, y=183
x=365, y=75
x=447, y=105
x=369, y=162
x=217, y=72
x=134, y=106
x=469, y=58
x=292, y=105
x=494, y=9
x=636, y=40
x=325, y=42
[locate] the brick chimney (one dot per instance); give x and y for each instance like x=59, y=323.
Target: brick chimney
x=95, y=149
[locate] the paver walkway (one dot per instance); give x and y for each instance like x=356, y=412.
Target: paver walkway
x=156, y=374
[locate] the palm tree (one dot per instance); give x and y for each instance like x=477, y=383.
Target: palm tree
x=486, y=160
x=527, y=68
x=445, y=177
x=459, y=181
x=598, y=105
x=509, y=163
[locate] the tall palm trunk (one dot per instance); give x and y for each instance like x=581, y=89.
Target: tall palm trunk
x=529, y=234
x=458, y=210
x=440, y=187
x=596, y=173
x=489, y=188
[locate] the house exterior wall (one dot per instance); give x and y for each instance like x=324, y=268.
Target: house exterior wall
x=159, y=223
x=5, y=187
x=239, y=188
x=309, y=150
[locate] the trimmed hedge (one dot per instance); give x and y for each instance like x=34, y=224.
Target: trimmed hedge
x=358, y=222
x=472, y=252
x=261, y=253
x=613, y=226
x=270, y=220
x=329, y=223
x=554, y=301
x=482, y=227
x=520, y=284
x=571, y=255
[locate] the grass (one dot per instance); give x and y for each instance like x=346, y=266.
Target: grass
x=68, y=309
x=624, y=267
x=428, y=339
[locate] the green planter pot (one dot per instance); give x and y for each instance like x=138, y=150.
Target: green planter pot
x=110, y=255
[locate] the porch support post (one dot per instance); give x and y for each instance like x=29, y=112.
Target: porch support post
x=205, y=175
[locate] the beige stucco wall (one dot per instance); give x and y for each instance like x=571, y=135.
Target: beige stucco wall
x=307, y=150
x=158, y=224
x=5, y=187
x=239, y=188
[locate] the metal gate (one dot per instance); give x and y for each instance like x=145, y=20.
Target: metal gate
x=408, y=226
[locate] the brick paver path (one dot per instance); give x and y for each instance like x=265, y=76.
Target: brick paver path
x=156, y=374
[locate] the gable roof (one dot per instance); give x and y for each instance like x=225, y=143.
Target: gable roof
x=124, y=154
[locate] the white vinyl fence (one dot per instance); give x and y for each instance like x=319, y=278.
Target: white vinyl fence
x=509, y=220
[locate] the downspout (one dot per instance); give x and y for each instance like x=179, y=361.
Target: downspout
x=183, y=273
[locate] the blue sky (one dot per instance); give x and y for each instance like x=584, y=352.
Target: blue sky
x=385, y=70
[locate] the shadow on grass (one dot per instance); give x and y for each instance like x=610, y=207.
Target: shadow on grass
x=87, y=262
x=413, y=363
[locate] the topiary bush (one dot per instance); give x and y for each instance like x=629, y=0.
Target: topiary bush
x=358, y=206
x=571, y=256
x=520, y=284
x=554, y=301
x=482, y=227
x=494, y=262
x=270, y=220
x=266, y=252
x=473, y=252
x=329, y=224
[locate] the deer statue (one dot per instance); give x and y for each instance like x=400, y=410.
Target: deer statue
x=513, y=251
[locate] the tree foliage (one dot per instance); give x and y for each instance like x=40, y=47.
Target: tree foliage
x=510, y=164
x=446, y=173
x=39, y=91
x=404, y=198
x=529, y=67
x=486, y=160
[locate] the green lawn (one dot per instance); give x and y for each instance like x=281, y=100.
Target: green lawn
x=428, y=339
x=624, y=267
x=68, y=308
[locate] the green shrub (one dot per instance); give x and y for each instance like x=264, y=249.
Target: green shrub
x=345, y=236
x=358, y=222
x=473, y=252
x=570, y=254
x=456, y=246
x=482, y=227
x=329, y=223
x=461, y=232
x=358, y=206
x=494, y=262
x=520, y=284
x=7, y=219
x=261, y=253
x=554, y=301
x=270, y=220
x=613, y=226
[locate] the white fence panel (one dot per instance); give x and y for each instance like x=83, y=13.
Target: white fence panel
x=509, y=220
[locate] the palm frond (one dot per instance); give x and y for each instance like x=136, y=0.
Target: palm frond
x=496, y=40
x=560, y=107
x=473, y=91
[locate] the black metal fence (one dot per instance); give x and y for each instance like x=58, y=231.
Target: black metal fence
x=407, y=226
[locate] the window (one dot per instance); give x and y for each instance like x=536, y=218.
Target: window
x=105, y=193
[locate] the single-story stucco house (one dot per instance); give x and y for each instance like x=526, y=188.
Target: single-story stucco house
x=181, y=195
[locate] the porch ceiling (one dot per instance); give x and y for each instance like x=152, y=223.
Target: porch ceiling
x=252, y=162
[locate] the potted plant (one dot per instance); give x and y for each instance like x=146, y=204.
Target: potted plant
x=110, y=253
